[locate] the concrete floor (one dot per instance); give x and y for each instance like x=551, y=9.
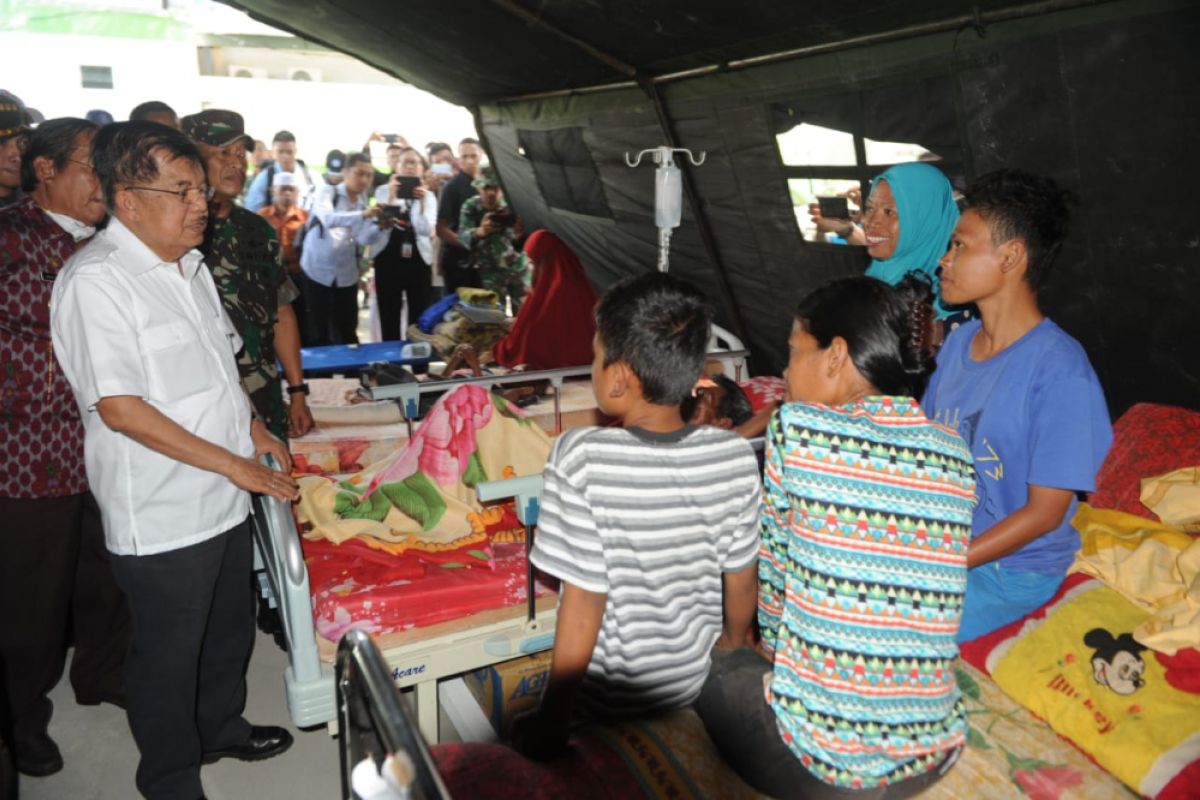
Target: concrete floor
x=101, y=758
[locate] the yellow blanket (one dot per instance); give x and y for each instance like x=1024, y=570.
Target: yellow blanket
x=1175, y=498
x=1084, y=665
x=1153, y=565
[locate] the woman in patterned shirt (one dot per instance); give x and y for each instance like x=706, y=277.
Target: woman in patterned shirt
x=865, y=523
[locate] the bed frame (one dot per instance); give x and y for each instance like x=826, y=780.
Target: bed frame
x=420, y=657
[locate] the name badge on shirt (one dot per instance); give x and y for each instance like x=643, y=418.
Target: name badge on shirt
x=406, y=250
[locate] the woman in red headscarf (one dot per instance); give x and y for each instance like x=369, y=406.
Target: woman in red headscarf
x=555, y=325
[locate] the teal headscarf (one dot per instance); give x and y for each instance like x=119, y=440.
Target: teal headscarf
x=925, y=205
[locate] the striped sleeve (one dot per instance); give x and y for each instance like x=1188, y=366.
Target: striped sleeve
x=568, y=545
x=743, y=540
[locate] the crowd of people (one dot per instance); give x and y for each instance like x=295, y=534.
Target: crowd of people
x=918, y=483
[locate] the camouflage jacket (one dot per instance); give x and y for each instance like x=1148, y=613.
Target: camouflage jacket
x=491, y=253
x=242, y=252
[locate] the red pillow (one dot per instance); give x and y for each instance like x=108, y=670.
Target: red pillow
x=1148, y=440
x=763, y=390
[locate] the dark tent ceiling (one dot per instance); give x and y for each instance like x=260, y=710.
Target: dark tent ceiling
x=474, y=51
x=1098, y=94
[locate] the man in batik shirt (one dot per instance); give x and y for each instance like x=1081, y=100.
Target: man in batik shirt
x=53, y=562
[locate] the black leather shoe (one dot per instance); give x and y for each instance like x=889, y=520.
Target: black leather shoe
x=37, y=756
x=265, y=741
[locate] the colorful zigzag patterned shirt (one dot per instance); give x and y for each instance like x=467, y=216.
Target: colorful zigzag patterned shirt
x=862, y=569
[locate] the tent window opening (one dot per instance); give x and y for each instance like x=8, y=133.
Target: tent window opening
x=833, y=145
x=565, y=170
x=823, y=162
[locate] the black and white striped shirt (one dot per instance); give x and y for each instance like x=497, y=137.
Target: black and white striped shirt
x=651, y=520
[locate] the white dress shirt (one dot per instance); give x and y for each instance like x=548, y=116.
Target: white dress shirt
x=126, y=323
x=423, y=218
x=330, y=255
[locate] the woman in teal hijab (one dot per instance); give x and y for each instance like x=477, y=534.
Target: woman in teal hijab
x=910, y=216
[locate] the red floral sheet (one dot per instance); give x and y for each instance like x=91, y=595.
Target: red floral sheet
x=358, y=585
x=404, y=542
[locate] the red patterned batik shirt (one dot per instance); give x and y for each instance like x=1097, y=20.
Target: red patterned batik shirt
x=41, y=435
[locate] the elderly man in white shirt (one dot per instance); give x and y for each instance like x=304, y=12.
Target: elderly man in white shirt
x=339, y=225
x=169, y=448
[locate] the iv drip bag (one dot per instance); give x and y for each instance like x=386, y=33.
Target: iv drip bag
x=668, y=195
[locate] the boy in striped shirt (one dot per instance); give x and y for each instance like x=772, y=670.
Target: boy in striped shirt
x=651, y=527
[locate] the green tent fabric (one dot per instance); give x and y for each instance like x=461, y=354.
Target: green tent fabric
x=1100, y=95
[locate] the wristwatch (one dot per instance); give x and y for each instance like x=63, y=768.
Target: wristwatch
x=299, y=388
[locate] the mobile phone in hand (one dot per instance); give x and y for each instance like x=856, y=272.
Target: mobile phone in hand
x=834, y=207
x=504, y=219
x=405, y=186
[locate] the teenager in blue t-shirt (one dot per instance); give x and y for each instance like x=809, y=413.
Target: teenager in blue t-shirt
x=1021, y=392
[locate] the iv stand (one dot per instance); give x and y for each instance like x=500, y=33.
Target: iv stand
x=668, y=193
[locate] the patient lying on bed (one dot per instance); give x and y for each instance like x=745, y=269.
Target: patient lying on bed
x=720, y=401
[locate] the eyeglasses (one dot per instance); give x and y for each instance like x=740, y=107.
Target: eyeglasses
x=87, y=164
x=186, y=196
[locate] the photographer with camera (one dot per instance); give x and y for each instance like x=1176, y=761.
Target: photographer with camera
x=408, y=212
x=339, y=225
x=488, y=228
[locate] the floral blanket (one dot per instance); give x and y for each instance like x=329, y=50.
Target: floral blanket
x=423, y=496
x=405, y=542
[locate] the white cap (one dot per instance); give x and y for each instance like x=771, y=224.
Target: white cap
x=283, y=179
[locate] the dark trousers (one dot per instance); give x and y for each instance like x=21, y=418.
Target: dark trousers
x=332, y=313
x=455, y=270
x=395, y=281
x=193, y=630
x=300, y=309
x=55, y=575
x=743, y=728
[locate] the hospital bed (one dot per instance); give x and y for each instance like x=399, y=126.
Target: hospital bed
x=419, y=657
x=345, y=358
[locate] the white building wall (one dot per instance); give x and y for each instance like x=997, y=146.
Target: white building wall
x=44, y=71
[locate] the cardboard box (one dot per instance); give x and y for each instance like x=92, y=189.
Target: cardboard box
x=505, y=690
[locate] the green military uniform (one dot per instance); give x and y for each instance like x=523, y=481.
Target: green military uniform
x=502, y=268
x=242, y=251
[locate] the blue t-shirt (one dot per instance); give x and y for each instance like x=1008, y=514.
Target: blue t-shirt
x=1032, y=414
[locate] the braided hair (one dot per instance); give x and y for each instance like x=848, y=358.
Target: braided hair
x=888, y=330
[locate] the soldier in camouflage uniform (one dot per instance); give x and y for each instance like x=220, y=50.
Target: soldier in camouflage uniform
x=483, y=230
x=242, y=251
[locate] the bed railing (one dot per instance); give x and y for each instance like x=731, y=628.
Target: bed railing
x=376, y=724
x=309, y=683
x=408, y=395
